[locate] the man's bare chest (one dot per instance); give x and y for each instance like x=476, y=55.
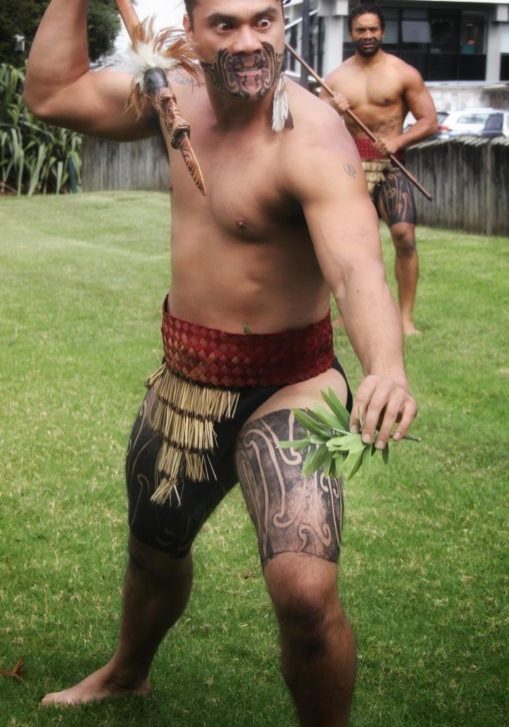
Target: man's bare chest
x=245, y=198
x=372, y=90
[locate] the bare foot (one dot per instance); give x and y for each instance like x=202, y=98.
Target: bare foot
x=410, y=330
x=98, y=686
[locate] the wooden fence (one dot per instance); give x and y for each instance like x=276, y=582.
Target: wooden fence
x=469, y=180
x=468, y=177
x=133, y=165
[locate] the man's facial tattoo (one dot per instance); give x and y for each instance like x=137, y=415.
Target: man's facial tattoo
x=233, y=72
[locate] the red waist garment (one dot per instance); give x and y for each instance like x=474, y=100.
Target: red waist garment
x=235, y=360
x=368, y=150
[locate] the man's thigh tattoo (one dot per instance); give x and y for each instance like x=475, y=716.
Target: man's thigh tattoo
x=394, y=199
x=291, y=513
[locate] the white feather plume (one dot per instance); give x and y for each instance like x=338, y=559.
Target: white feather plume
x=166, y=49
x=280, y=107
x=137, y=60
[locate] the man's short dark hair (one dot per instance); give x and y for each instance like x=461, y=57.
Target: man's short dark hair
x=364, y=9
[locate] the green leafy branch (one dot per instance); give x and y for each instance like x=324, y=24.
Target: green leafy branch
x=332, y=447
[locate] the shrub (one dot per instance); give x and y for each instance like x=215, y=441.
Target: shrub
x=34, y=157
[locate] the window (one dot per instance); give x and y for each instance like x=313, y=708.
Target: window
x=414, y=14
x=444, y=31
x=415, y=25
x=391, y=32
x=472, y=33
x=416, y=31
x=473, y=118
x=494, y=123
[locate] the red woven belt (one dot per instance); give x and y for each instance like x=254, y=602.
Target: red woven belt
x=235, y=360
x=368, y=150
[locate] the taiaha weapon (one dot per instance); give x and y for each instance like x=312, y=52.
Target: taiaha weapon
x=355, y=118
x=151, y=56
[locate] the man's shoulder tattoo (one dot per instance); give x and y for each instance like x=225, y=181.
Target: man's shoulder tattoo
x=182, y=78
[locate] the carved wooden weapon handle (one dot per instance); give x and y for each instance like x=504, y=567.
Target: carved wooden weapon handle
x=156, y=86
x=355, y=118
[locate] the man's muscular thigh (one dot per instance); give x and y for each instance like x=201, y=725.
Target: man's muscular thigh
x=307, y=393
x=291, y=513
x=394, y=199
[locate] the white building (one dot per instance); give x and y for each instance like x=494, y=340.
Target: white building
x=446, y=40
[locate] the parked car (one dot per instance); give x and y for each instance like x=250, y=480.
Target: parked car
x=472, y=122
x=497, y=124
x=469, y=122
x=409, y=121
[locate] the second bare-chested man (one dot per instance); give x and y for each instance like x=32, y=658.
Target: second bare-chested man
x=381, y=89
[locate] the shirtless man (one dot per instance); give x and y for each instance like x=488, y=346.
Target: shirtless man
x=258, y=255
x=381, y=89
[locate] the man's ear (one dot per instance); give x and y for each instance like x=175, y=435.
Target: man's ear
x=188, y=28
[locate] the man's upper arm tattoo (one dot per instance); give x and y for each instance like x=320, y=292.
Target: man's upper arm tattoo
x=350, y=170
x=181, y=78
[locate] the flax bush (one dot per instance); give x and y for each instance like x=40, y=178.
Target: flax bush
x=34, y=157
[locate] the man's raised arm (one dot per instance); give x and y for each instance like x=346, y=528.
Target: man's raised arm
x=61, y=89
x=344, y=229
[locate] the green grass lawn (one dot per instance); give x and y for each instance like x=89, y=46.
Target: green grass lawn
x=424, y=559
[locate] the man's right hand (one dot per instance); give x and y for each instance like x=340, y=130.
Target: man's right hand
x=339, y=102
